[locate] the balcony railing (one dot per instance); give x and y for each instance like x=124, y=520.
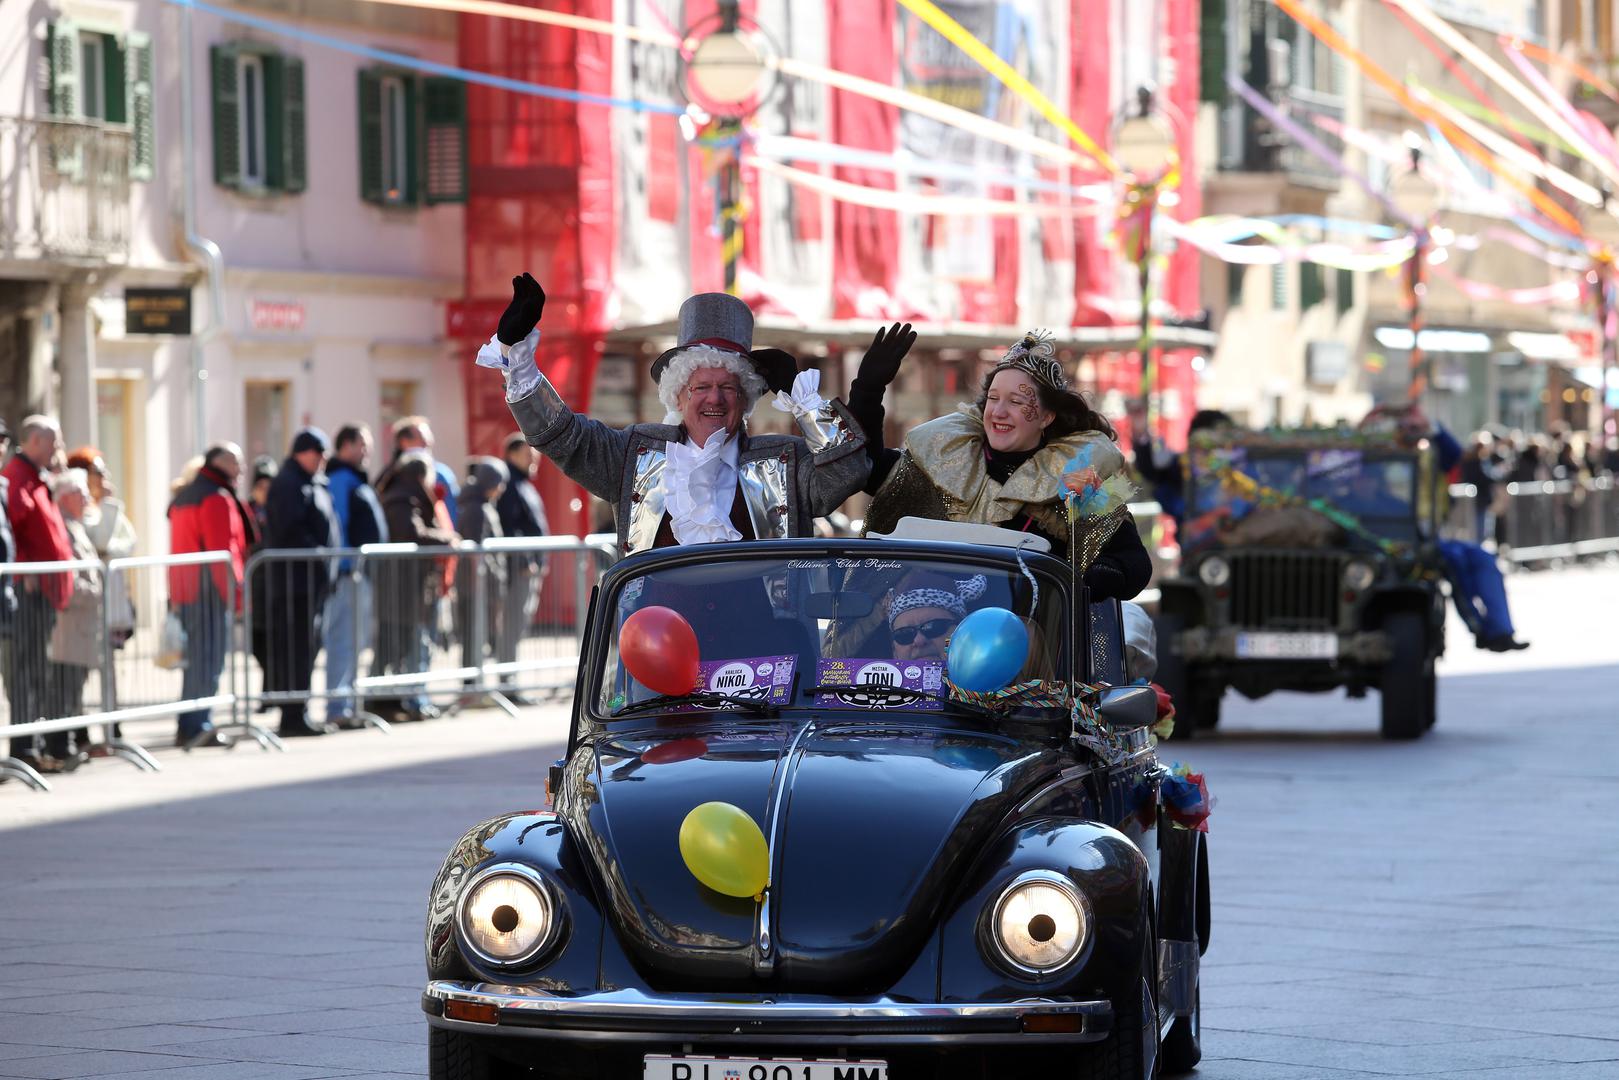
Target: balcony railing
x=1249, y=143
x=64, y=189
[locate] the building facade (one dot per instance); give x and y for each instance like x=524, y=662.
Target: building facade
x=1300, y=343
x=619, y=211
x=226, y=230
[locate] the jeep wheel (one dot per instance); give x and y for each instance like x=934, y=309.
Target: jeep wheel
x=1175, y=676
x=1408, y=681
x=452, y=1055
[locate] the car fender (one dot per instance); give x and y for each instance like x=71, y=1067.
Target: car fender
x=538, y=840
x=1110, y=871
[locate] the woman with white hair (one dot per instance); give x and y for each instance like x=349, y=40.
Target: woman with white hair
x=75, y=644
x=698, y=477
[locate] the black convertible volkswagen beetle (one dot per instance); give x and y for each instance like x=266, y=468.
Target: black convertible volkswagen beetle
x=950, y=882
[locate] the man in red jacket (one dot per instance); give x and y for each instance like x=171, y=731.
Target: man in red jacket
x=41, y=537
x=206, y=515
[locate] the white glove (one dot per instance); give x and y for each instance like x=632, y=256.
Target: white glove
x=515, y=362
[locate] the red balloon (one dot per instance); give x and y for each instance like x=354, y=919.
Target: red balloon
x=659, y=649
x=667, y=753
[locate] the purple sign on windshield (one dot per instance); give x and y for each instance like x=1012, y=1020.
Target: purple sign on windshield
x=759, y=678
x=868, y=678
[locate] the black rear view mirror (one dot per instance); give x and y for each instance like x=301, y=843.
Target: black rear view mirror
x=839, y=605
x=1125, y=707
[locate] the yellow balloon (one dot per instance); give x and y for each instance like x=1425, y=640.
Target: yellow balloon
x=724, y=849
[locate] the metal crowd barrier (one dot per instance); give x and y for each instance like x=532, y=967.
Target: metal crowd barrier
x=86, y=646
x=96, y=662
x=1540, y=521
x=393, y=631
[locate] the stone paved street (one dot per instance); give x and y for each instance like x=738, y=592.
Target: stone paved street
x=1442, y=909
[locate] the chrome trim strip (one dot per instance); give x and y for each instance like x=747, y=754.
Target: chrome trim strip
x=633, y=1004
x=788, y=764
x=1178, y=964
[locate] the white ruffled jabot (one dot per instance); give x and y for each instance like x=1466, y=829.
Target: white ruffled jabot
x=701, y=486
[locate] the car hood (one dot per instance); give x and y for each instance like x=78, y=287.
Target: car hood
x=872, y=826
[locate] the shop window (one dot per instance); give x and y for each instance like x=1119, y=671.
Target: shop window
x=396, y=400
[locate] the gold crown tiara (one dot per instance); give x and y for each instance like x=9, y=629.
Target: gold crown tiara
x=1036, y=353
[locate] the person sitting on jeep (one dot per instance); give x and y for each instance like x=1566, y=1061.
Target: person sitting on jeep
x=1477, y=586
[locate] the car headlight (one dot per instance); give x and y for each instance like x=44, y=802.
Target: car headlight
x=506, y=914
x=1214, y=572
x=1039, y=924
x=1359, y=575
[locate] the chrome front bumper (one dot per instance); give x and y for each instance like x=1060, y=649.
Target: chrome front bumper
x=693, y=1018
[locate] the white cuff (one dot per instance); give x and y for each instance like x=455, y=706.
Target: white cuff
x=515, y=362
x=805, y=398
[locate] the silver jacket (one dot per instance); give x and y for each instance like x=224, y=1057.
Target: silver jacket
x=787, y=481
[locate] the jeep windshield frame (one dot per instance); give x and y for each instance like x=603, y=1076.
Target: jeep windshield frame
x=725, y=591
x=1379, y=487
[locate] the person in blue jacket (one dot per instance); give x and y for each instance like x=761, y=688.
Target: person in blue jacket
x=348, y=608
x=1477, y=585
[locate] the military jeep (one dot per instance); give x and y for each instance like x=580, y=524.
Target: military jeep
x=1307, y=563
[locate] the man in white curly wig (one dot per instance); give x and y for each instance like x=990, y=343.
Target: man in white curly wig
x=698, y=477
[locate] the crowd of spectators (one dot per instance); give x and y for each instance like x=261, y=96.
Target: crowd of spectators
x=56, y=627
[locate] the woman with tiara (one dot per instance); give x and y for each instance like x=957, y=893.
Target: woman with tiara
x=1020, y=457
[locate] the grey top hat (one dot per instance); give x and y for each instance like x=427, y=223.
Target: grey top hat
x=723, y=321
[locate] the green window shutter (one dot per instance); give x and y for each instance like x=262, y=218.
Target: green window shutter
x=1234, y=274
x=114, y=66
x=413, y=141
x=295, y=159
x=370, y=140
x=62, y=51
x=1211, y=57
x=1312, y=285
x=138, y=92
x=1344, y=291
x=274, y=122
x=227, y=117
x=444, y=152
x=1278, y=286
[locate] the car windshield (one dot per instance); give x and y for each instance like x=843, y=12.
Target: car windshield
x=1375, y=490
x=826, y=632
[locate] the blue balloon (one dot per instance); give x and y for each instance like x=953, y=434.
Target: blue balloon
x=987, y=650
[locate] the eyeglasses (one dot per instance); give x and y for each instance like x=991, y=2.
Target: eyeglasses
x=932, y=629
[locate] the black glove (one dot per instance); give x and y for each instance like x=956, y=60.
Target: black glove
x=522, y=315
x=880, y=365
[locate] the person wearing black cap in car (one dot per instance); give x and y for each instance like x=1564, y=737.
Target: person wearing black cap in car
x=301, y=517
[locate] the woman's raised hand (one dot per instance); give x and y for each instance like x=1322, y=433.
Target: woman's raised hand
x=880, y=365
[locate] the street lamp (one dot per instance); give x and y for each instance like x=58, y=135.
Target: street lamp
x=729, y=63
x=1413, y=196
x=1144, y=147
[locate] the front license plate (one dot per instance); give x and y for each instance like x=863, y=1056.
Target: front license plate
x=1287, y=646
x=663, y=1067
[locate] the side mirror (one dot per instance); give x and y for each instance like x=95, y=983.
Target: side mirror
x=1126, y=707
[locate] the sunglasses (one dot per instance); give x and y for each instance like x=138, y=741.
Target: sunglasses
x=933, y=628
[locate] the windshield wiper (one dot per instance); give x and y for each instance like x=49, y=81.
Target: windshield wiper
x=700, y=698
x=905, y=692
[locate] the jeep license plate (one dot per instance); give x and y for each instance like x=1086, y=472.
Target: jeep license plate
x=1287, y=646
x=664, y=1067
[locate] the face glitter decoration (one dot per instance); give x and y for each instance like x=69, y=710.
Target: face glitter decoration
x=1013, y=418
